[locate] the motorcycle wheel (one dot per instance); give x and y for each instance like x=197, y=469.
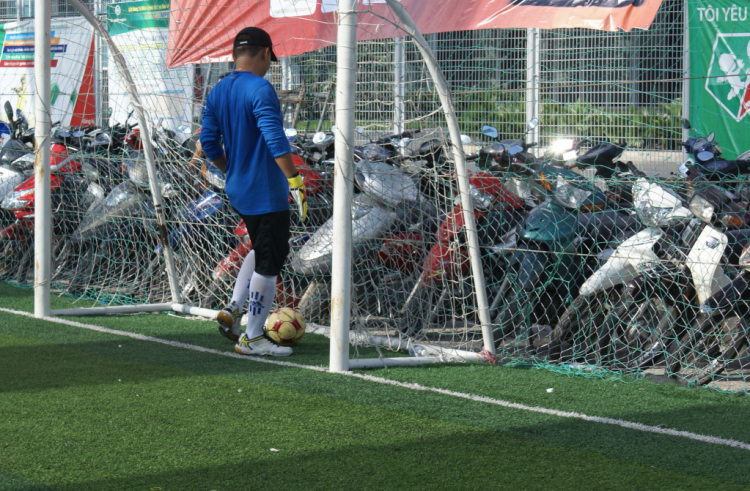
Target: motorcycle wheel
x=519, y=311
x=635, y=334
x=576, y=331
x=707, y=348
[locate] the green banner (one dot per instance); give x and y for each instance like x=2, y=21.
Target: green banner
x=132, y=16
x=719, y=44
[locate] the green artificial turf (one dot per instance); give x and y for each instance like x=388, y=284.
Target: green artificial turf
x=88, y=410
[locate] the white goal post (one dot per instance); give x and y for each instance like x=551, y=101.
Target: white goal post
x=345, y=135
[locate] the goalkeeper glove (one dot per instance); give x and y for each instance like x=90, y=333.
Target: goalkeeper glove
x=297, y=190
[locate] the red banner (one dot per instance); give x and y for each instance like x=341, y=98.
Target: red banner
x=202, y=32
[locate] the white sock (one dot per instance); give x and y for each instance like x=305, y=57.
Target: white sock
x=262, y=290
x=242, y=285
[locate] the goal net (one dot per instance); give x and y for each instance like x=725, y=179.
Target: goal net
x=517, y=94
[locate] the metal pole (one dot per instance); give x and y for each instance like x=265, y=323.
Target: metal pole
x=343, y=184
x=532, y=81
x=98, y=113
x=42, y=125
x=463, y=178
x=145, y=138
x=685, y=74
x=19, y=9
x=286, y=84
x=399, y=88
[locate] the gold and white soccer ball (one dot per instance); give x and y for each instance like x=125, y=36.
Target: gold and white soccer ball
x=285, y=327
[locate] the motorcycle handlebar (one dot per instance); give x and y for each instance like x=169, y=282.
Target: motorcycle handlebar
x=632, y=168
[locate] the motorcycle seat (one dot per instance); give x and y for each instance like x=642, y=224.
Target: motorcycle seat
x=606, y=223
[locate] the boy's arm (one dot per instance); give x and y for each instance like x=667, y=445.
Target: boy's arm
x=267, y=111
x=211, y=138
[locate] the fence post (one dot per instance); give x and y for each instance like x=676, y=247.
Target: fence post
x=685, y=74
x=399, y=87
x=533, y=39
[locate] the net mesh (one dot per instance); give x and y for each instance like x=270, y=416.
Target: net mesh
x=608, y=261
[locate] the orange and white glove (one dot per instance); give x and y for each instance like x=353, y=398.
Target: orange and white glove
x=297, y=190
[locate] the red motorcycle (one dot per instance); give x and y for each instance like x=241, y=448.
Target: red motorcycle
x=71, y=195
x=443, y=288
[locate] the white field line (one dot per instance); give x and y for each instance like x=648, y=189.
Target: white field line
x=488, y=400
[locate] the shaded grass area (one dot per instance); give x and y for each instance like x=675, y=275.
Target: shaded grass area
x=73, y=419
x=312, y=350
x=71, y=397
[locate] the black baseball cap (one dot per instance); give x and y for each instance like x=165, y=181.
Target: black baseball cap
x=255, y=37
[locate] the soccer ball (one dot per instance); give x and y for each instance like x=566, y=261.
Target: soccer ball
x=285, y=327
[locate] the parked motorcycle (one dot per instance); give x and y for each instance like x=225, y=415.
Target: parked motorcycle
x=71, y=193
x=116, y=234
x=718, y=337
x=556, y=249
x=680, y=268
x=389, y=202
x=660, y=211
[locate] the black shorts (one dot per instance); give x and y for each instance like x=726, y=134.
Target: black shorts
x=269, y=234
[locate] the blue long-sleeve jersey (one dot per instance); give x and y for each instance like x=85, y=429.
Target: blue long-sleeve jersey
x=244, y=111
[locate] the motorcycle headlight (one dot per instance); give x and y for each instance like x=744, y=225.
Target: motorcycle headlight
x=701, y=208
x=569, y=195
x=90, y=172
x=118, y=195
x=137, y=173
x=24, y=162
x=479, y=200
x=17, y=199
x=706, y=309
x=745, y=257
x=652, y=216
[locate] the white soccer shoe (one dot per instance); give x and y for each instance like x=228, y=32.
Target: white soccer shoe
x=229, y=322
x=260, y=346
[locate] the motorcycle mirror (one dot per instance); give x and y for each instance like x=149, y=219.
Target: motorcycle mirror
x=130, y=108
x=533, y=123
x=290, y=132
x=465, y=139
x=333, y=128
x=514, y=149
x=358, y=129
x=490, y=131
x=686, y=124
x=319, y=137
x=710, y=137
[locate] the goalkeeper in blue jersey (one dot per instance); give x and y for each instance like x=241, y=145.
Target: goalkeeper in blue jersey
x=243, y=112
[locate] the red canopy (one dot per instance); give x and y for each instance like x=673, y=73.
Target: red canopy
x=202, y=32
